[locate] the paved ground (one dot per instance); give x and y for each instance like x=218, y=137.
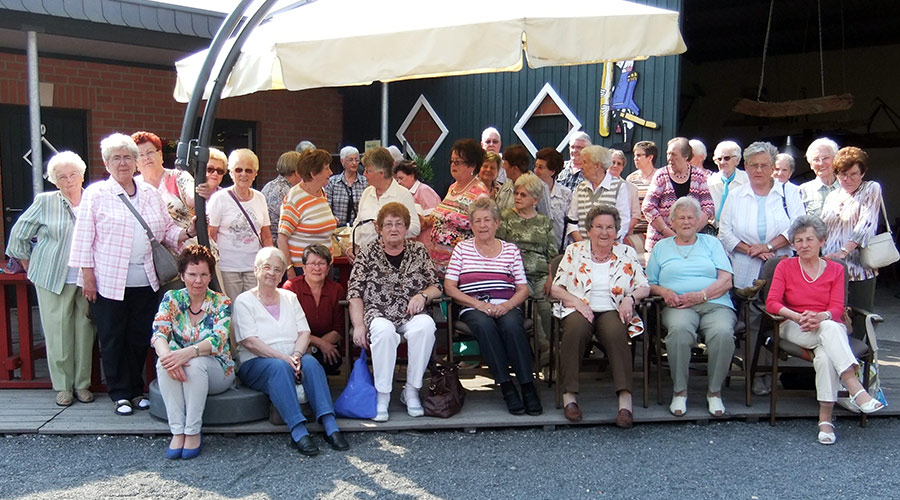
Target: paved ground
x=720, y=460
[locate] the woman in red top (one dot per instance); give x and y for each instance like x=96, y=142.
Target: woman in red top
x=808, y=291
x=319, y=297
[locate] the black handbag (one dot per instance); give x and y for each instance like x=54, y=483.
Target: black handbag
x=163, y=261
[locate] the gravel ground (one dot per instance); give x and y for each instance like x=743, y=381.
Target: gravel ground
x=720, y=460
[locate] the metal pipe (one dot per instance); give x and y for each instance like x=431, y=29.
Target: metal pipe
x=384, y=114
x=34, y=115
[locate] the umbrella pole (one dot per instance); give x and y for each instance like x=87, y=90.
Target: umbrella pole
x=384, y=114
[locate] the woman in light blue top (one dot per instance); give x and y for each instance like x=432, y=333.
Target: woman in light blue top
x=693, y=275
x=68, y=332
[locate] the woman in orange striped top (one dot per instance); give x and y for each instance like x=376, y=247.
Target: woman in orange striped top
x=306, y=217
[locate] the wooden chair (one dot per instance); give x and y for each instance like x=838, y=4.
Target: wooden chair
x=697, y=353
x=556, y=340
x=788, y=357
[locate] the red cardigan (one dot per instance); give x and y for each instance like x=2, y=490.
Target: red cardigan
x=328, y=315
x=790, y=290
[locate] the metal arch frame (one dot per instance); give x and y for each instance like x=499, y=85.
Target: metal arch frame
x=193, y=154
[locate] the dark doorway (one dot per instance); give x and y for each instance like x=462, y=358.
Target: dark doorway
x=65, y=129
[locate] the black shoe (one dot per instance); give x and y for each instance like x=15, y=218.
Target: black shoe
x=511, y=396
x=307, y=447
x=337, y=441
x=532, y=400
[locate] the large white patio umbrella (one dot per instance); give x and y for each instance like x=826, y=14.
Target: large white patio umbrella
x=330, y=43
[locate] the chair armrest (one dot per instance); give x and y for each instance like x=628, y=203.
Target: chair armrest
x=774, y=317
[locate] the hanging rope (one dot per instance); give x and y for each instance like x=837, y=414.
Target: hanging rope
x=762, y=71
x=821, y=50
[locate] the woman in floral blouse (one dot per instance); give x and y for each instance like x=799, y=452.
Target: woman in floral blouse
x=533, y=234
x=450, y=219
x=598, y=283
x=190, y=335
x=392, y=281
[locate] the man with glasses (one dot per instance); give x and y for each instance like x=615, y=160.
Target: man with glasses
x=345, y=189
x=571, y=175
x=820, y=155
x=727, y=156
x=491, y=143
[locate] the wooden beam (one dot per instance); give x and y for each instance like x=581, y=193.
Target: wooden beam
x=797, y=107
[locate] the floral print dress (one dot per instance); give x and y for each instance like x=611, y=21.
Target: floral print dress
x=451, y=223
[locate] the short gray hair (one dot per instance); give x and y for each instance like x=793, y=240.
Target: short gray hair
x=788, y=158
x=597, y=154
x=65, y=158
x=317, y=249
x=117, y=141
x=488, y=132
x=243, y=154
x=580, y=136
x=617, y=152
x=728, y=147
x=484, y=203
x=602, y=209
x=684, y=203
x=758, y=147
x=266, y=253
x=532, y=184
x=303, y=146
x=805, y=222
x=822, y=142
x=698, y=147
x=347, y=151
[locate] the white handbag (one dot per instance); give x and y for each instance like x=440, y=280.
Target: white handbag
x=880, y=250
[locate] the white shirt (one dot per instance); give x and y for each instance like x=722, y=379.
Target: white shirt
x=738, y=223
x=717, y=186
x=370, y=204
x=251, y=319
x=623, y=205
x=237, y=242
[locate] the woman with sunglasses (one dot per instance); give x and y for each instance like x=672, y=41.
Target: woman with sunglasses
x=215, y=172
x=239, y=223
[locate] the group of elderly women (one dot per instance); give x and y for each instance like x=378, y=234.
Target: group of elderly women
x=487, y=258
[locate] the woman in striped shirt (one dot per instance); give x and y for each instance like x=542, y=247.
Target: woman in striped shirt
x=306, y=217
x=486, y=277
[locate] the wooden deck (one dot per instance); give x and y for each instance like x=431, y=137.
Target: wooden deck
x=35, y=411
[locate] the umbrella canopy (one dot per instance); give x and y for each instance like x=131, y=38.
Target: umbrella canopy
x=330, y=43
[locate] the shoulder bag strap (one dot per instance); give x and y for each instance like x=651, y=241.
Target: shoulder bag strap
x=887, y=225
x=137, y=216
x=250, y=221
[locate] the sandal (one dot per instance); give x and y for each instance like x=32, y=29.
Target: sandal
x=826, y=437
x=678, y=406
x=123, y=408
x=716, y=408
x=870, y=406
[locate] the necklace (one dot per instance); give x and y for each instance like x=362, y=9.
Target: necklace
x=191, y=309
x=465, y=188
x=242, y=198
x=818, y=272
x=688, y=254
x=601, y=258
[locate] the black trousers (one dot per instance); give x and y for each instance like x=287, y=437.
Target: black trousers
x=123, y=329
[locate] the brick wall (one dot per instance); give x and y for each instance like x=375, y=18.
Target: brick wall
x=124, y=99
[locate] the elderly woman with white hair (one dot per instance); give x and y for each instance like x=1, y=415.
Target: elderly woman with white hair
x=571, y=176
x=784, y=168
x=68, y=331
x=118, y=274
x=692, y=273
x=532, y=232
x=599, y=186
x=239, y=223
x=699, y=154
x=727, y=157
x=820, y=155
x=273, y=349
x=345, y=189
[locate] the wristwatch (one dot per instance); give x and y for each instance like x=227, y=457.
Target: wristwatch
x=196, y=350
x=770, y=247
x=424, y=296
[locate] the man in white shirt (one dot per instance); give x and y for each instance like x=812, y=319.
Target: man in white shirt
x=490, y=142
x=820, y=155
x=727, y=157
x=382, y=190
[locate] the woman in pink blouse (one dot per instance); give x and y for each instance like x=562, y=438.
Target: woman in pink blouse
x=808, y=291
x=408, y=175
x=678, y=178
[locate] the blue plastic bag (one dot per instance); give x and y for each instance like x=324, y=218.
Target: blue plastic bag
x=358, y=398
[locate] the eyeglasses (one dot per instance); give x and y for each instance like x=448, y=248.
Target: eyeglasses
x=273, y=269
x=724, y=158
x=757, y=166
x=640, y=155
x=821, y=159
x=211, y=170
x=120, y=158
x=492, y=141
x=148, y=154
x=457, y=163
x=240, y=170
x=316, y=264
